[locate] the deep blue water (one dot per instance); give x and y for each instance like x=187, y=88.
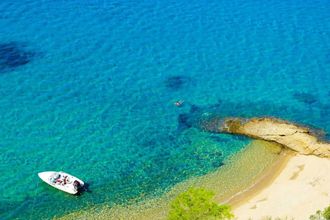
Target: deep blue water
x=88, y=87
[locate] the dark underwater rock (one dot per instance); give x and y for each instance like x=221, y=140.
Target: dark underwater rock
x=14, y=55
x=176, y=82
x=195, y=109
x=209, y=117
x=184, y=121
x=211, y=123
x=304, y=97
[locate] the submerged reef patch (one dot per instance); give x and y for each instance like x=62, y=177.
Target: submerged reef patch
x=306, y=98
x=184, y=121
x=209, y=117
x=172, y=157
x=206, y=117
x=177, y=82
x=14, y=55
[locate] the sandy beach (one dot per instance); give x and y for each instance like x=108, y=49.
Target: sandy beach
x=299, y=190
x=239, y=172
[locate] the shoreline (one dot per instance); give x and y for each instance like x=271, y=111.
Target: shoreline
x=272, y=177
x=221, y=181
x=263, y=181
x=297, y=192
x=297, y=188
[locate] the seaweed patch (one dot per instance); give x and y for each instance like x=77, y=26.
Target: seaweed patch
x=14, y=55
x=176, y=82
x=305, y=97
x=184, y=121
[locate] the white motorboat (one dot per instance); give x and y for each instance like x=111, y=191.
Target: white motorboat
x=62, y=181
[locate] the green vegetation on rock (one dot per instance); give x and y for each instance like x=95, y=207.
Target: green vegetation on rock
x=325, y=215
x=198, y=204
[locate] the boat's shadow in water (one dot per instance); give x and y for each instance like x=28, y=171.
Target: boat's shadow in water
x=84, y=189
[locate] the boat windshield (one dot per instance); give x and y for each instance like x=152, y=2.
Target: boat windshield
x=55, y=177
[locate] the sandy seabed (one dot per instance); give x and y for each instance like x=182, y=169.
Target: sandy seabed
x=261, y=181
x=239, y=173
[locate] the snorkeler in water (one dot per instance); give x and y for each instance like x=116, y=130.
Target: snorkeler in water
x=178, y=103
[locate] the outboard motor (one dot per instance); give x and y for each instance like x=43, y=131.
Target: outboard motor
x=76, y=185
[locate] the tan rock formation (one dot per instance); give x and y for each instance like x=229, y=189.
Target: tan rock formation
x=295, y=137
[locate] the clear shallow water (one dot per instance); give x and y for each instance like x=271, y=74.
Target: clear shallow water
x=88, y=90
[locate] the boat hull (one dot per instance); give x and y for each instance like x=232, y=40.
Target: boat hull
x=67, y=186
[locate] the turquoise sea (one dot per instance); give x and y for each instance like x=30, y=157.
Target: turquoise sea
x=88, y=87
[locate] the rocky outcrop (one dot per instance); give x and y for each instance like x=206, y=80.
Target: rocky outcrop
x=292, y=136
